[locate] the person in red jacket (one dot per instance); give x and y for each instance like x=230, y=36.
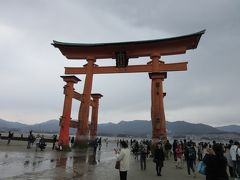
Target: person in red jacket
x=179, y=155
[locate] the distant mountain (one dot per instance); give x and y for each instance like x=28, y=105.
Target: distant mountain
x=230, y=128
x=144, y=128
x=48, y=126
x=182, y=127
x=141, y=128
x=6, y=125
x=131, y=128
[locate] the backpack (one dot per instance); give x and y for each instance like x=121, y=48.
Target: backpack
x=191, y=154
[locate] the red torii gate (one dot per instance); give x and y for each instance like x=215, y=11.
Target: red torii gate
x=122, y=52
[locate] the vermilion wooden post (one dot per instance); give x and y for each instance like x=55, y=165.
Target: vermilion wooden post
x=82, y=134
x=67, y=108
x=94, y=119
x=157, y=107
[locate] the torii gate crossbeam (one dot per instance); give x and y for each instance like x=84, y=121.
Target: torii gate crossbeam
x=130, y=69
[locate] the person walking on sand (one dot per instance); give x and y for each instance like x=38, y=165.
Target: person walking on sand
x=54, y=141
x=159, y=158
x=10, y=136
x=30, y=139
x=179, y=156
x=37, y=140
x=143, y=155
x=167, y=148
x=190, y=158
x=124, y=158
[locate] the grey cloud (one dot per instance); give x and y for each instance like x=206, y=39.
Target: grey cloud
x=31, y=67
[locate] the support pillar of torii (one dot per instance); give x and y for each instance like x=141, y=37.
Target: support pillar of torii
x=65, y=119
x=94, y=119
x=82, y=134
x=157, y=107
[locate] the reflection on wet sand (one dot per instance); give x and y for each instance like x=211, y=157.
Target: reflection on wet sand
x=77, y=165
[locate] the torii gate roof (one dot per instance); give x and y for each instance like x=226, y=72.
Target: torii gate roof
x=133, y=49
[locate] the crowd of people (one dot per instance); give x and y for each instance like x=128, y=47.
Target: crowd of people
x=221, y=160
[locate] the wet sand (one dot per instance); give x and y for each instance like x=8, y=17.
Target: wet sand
x=18, y=162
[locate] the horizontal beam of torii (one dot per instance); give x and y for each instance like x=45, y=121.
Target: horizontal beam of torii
x=182, y=66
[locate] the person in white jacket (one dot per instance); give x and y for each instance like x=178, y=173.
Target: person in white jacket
x=233, y=153
x=124, y=158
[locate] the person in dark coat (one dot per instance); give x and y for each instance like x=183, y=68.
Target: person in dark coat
x=99, y=143
x=72, y=141
x=159, y=158
x=54, y=141
x=30, y=139
x=190, y=156
x=167, y=148
x=42, y=144
x=10, y=136
x=174, y=149
x=216, y=163
x=143, y=155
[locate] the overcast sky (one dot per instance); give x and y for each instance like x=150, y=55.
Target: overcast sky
x=32, y=90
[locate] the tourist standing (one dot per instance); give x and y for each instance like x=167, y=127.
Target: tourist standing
x=167, y=148
x=190, y=158
x=124, y=158
x=42, y=144
x=95, y=145
x=159, y=158
x=10, y=136
x=54, y=141
x=37, y=142
x=136, y=149
x=216, y=163
x=99, y=143
x=233, y=153
x=200, y=151
x=174, y=149
x=143, y=155
x=238, y=160
x=30, y=139
x=179, y=156
x=229, y=160
x=72, y=141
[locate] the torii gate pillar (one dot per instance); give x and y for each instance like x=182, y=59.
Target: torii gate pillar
x=94, y=120
x=66, y=116
x=157, y=108
x=82, y=135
